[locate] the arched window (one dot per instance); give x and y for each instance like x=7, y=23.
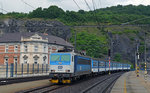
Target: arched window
x=36, y=59
x=25, y=59
x=44, y=59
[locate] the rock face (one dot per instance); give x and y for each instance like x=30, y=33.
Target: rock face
x=55, y=28
x=126, y=45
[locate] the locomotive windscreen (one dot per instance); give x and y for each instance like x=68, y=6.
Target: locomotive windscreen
x=60, y=59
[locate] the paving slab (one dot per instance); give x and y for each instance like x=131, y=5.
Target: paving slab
x=130, y=83
x=12, y=88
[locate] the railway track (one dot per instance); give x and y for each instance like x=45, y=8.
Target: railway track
x=21, y=79
x=99, y=84
x=43, y=89
x=104, y=85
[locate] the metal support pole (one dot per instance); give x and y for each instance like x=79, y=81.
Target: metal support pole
x=145, y=55
x=75, y=39
x=22, y=69
x=46, y=68
x=42, y=68
x=16, y=69
x=27, y=68
x=38, y=69
x=109, y=65
x=6, y=69
x=33, y=69
x=11, y=70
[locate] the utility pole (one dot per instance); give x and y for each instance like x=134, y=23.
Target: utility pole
x=145, y=54
x=110, y=49
x=136, y=58
x=136, y=55
x=109, y=55
x=75, y=39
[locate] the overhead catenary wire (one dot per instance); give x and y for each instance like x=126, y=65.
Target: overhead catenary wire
x=134, y=21
x=28, y=4
x=87, y=5
x=94, y=7
x=4, y=10
x=100, y=4
x=77, y=4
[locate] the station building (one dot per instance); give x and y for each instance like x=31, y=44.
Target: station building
x=29, y=47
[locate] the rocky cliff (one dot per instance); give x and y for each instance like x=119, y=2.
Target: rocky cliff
x=35, y=25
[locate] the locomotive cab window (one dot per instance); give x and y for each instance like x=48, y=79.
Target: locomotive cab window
x=55, y=57
x=65, y=57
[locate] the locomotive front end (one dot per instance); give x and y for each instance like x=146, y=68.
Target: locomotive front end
x=61, y=67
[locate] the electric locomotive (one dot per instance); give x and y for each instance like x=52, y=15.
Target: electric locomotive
x=65, y=67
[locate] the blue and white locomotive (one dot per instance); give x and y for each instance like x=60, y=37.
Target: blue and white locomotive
x=65, y=67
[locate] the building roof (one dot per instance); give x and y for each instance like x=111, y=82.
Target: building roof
x=16, y=37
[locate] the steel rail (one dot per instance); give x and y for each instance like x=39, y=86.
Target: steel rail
x=7, y=81
x=103, y=81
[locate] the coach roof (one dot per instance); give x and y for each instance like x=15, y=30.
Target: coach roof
x=16, y=37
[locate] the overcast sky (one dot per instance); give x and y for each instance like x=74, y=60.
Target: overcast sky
x=20, y=6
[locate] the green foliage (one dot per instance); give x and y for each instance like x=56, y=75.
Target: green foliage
x=142, y=65
x=52, y=12
x=93, y=45
x=125, y=31
x=141, y=49
x=117, y=57
x=110, y=15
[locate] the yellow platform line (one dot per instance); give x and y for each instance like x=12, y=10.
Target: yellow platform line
x=125, y=89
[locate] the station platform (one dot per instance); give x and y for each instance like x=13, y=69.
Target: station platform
x=130, y=83
x=12, y=88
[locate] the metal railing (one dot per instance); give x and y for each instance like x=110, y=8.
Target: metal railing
x=23, y=70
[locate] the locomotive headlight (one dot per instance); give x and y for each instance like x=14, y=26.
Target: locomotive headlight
x=52, y=70
x=67, y=70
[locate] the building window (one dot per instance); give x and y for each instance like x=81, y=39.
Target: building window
x=44, y=48
x=16, y=48
x=25, y=59
x=44, y=59
x=6, y=60
x=15, y=60
x=6, y=48
x=35, y=61
x=25, y=48
x=35, y=48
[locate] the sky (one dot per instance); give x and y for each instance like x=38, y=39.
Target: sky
x=30, y=5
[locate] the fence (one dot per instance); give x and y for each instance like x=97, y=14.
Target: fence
x=23, y=70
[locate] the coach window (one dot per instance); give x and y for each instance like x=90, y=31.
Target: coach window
x=94, y=63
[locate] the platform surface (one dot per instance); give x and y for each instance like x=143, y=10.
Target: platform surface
x=130, y=83
x=12, y=88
